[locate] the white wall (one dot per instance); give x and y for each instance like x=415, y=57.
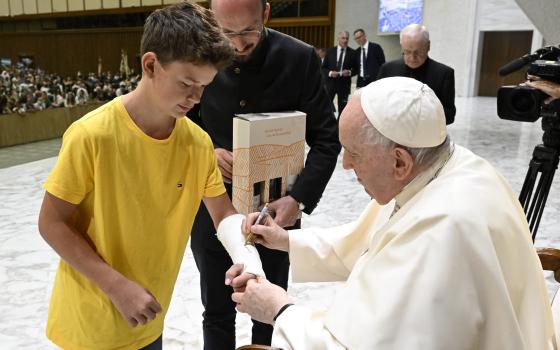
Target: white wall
x=545, y=15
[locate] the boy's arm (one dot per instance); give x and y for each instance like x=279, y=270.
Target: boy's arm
x=229, y=231
x=135, y=303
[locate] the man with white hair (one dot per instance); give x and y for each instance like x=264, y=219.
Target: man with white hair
x=441, y=258
x=415, y=63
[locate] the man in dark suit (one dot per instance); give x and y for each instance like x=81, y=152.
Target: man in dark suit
x=415, y=44
x=338, y=66
x=271, y=72
x=369, y=57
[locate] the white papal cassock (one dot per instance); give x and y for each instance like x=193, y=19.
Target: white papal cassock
x=454, y=268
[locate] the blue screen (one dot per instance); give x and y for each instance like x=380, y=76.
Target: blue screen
x=394, y=15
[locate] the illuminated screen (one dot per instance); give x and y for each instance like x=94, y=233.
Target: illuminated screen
x=394, y=15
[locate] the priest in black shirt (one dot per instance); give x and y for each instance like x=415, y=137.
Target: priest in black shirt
x=272, y=72
x=415, y=44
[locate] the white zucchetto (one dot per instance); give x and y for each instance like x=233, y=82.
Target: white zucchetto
x=406, y=111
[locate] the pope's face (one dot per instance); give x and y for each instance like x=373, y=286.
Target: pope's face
x=372, y=164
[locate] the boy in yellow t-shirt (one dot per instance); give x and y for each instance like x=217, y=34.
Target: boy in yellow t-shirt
x=121, y=200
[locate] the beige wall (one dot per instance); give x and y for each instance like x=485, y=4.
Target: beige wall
x=33, y=7
x=353, y=14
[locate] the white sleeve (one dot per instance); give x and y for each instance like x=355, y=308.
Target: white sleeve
x=302, y=328
x=329, y=254
x=230, y=235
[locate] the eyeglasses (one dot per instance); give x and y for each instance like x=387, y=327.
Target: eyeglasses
x=246, y=34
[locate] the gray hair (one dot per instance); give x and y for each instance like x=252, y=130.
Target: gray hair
x=412, y=29
x=422, y=156
x=344, y=32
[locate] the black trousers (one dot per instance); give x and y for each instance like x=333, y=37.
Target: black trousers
x=341, y=102
x=341, y=90
x=361, y=82
x=155, y=345
x=213, y=261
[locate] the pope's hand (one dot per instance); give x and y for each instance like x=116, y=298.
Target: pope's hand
x=225, y=163
x=267, y=233
x=261, y=300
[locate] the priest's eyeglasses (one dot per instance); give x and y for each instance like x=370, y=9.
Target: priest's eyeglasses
x=246, y=34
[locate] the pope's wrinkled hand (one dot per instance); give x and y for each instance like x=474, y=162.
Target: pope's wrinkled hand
x=261, y=300
x=267, y=233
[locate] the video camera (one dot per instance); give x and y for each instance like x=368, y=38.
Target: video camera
x=525, y=103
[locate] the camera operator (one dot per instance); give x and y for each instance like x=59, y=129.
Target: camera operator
x=550, y=88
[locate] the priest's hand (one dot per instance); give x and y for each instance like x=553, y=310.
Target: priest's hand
x=286, y=210
x=225, y=163
x=267, y=233
x=261, y=300
x=237, y=279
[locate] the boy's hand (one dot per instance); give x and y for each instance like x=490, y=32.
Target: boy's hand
x=236, y=278
x=135, y=303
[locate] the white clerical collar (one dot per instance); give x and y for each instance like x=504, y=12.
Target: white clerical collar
x=423, y=179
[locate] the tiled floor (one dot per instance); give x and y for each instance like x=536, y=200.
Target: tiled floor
x=27, y=264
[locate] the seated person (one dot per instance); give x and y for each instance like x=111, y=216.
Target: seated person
x=441, y=258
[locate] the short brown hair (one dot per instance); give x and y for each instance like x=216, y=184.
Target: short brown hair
x=186, y=32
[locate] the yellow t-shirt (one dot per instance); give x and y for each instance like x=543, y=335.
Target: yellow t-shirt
x=137, y=199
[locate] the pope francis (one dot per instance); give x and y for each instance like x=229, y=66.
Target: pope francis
x=441, y=258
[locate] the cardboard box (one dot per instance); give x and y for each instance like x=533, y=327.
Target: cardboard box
x=268, y=154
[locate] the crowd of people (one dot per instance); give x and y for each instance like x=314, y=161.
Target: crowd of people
x=24, y=89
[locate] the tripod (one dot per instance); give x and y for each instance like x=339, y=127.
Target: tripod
x=545, y=161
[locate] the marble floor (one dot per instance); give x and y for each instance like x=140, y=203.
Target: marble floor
x=27, y=264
